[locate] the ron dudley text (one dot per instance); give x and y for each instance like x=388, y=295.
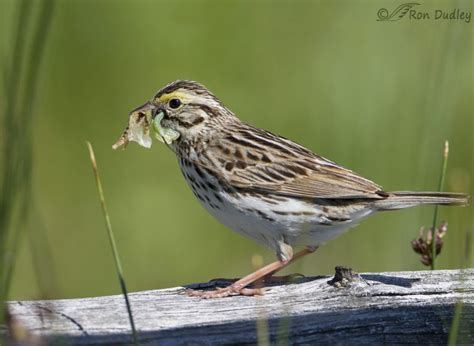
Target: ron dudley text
x=455, y=14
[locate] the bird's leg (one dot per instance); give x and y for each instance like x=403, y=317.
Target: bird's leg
x=238, y=287
x=270, y=278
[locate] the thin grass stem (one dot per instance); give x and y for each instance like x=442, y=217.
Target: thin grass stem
x=453, y=331
x=435, y=215
x=118, y=265
x=456, y=322
x=263, y=338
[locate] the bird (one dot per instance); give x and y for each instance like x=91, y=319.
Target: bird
x=259, y=184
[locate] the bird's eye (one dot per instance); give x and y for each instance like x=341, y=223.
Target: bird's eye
x=175, y=103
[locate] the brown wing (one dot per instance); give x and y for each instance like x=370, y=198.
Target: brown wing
x=255, y=159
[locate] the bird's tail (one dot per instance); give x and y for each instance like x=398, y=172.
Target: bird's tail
x=406, y=199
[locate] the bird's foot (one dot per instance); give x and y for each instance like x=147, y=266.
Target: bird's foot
x=226, y=292
x=267, y=280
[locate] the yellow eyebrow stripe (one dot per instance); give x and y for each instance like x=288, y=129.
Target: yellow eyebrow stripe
x=173, y=95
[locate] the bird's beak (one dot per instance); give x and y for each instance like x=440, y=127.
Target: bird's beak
x=138, y=129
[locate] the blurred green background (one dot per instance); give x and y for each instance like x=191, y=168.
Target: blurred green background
x=377, y=97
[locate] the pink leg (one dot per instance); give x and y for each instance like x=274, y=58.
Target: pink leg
x=238, y=287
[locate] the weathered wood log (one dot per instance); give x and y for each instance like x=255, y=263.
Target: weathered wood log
x=398, y=307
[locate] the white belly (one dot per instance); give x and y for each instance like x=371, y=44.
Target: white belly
x=268, y=219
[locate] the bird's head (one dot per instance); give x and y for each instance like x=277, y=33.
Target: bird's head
x=180, y=111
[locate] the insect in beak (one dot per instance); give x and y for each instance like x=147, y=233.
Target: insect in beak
x=138, y=129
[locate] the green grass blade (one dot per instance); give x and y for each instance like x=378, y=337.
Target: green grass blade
x=453, y=331
x=456, y=322
x=25, y=120
x=110, y=233
x=9, y=187
x=435, y=216
x=17, y=125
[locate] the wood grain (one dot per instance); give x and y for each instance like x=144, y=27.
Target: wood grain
x=396, y=307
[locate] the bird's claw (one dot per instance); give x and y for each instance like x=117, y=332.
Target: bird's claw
x=226, y=292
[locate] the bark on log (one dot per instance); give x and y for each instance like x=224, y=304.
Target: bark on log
x=388, y=308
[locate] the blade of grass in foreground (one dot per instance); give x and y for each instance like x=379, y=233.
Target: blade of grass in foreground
x=21, y=76
x=435, y=216
x=108, y=224
x=454, y=331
